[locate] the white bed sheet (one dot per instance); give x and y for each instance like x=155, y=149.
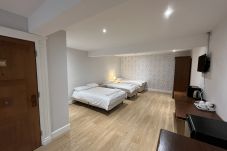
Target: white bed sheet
x=128, y=87
x=137, y=82
x=100, y=97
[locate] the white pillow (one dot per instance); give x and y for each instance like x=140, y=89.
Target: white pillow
x=81, y=88
x=92, y=85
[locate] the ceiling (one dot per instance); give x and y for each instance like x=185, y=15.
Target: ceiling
x=132, y=25
x=140, y=22
x=21, y=7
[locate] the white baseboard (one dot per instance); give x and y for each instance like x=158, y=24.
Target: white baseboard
x=158, y=90
x=60, y=131
x=71, y=102
x=56, y=134
x=46, y=140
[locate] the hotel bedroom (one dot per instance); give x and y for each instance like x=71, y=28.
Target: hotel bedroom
x=113, y=75
x=152, y=72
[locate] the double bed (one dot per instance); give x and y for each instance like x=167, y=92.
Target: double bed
x=129, y=88
x=101, y=97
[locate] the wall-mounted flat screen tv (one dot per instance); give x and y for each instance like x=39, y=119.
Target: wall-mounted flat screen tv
x=203, y=63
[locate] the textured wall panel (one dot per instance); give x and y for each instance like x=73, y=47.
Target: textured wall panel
x=157, y=70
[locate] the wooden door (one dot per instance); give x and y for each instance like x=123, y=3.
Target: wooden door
x=19, y=109
x=182, y=74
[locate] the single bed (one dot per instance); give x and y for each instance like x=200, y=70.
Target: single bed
x=129, y=88
x=104, y=98
x=141, y=84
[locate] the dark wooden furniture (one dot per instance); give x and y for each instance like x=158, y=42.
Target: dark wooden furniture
x=208, y=130
x=184, y=105
x=19, y=108
x=182, y=74
x=169, y=141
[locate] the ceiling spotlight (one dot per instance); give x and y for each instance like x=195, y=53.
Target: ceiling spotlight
x=104, y=30
x=169, y=11
x=173, y=50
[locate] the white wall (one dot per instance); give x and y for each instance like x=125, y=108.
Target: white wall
x=216, y=79
x=83, y=69
x=157, y=70
x=57, y=74
x=14, y=21
x=180, y=43
x=197, y=78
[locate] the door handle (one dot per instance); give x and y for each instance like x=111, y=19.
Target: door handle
x=34, y=100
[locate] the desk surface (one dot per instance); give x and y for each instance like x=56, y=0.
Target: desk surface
x=185, y=105
x=169, y=141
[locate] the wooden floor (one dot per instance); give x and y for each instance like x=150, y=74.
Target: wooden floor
x=132, y=126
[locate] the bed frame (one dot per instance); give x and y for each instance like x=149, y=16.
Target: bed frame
x=110, y=107
x=142, y=88
x=134, y=93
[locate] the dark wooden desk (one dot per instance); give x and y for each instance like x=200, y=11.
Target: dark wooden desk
x=169, y=141
x=185, y=105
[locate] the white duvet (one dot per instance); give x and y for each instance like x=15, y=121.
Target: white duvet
x=128, y=87
x=137, y=82
x=100, y=97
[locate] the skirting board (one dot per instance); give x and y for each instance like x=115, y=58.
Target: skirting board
x=60, y=131
x=56, y=134
x=71, y=102
x=158, y=90
x=46, y=140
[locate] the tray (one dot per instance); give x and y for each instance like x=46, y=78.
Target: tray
x=203, y=109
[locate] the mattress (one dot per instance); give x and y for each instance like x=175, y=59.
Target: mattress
x=137, y=82
x=127, y=87
x=100, y=97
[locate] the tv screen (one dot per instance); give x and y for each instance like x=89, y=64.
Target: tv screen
x=203, y=63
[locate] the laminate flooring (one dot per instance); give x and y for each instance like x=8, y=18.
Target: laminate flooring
x=131, y=126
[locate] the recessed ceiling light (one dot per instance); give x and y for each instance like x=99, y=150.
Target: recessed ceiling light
x=104, y=30
x=173, y=50
x=169, y=11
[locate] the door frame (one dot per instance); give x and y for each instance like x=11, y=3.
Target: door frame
x=42, y=77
